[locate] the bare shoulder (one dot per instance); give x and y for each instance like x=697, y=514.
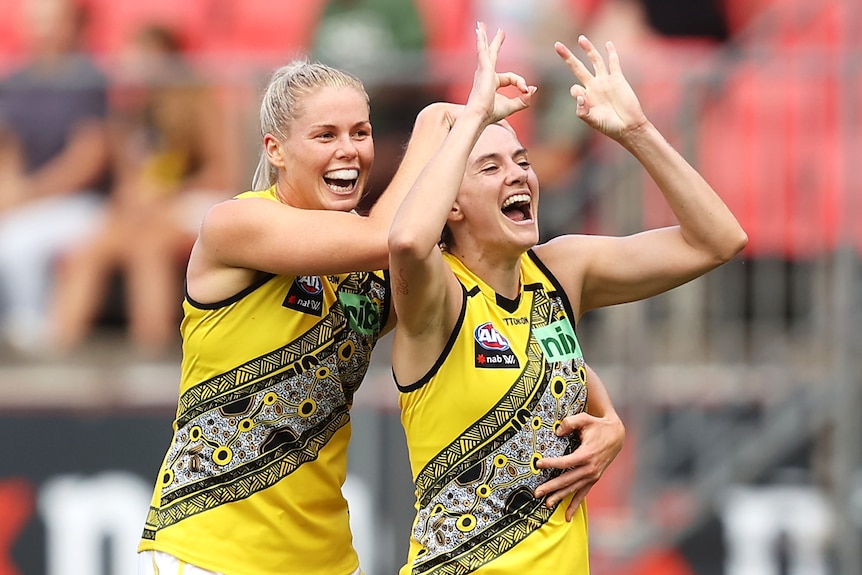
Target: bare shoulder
x=569, y=258
x=237, y=211
x=216, y=269
x=562, y=250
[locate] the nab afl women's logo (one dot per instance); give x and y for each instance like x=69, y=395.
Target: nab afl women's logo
x=492, y=349
x=305, y=295
x=309, y=284
x=488, y=337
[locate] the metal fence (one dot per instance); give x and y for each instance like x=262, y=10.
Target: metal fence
x=741, y=391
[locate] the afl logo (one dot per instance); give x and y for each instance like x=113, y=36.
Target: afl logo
x=309, y=284
x=489, y=338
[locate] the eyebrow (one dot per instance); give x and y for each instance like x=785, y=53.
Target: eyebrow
x=326, y=126
x=497, y=155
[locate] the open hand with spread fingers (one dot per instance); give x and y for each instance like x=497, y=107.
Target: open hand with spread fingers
x=606, y=100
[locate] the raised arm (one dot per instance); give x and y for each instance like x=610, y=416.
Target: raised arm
x=240, y=237
x=425, y=292
x=708, y=234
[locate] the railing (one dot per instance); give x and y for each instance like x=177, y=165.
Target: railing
x=728, y=380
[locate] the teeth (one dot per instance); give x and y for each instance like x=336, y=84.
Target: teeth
x=342, y=174
x=517, y=199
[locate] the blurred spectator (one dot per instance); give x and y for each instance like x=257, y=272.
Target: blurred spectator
x=368, y=33
x=170, y=163
x=52, y=163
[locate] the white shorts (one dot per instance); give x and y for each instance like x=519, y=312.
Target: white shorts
x=159, y=563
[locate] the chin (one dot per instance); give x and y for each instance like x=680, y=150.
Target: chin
x=342, y=203
x=528, y=237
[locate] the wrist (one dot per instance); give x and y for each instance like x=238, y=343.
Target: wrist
x=640, y=136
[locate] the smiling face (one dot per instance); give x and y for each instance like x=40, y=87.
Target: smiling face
x=497, y=202
x=325, y=159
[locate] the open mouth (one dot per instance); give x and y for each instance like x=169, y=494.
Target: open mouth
x=518, y=208
x=341, y=181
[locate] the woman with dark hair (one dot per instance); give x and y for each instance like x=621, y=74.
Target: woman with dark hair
x=485, y=354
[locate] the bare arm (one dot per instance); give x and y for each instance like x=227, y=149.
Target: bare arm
x=240, y=238
x=426, y=294
x=602, y=434
x=708, y=234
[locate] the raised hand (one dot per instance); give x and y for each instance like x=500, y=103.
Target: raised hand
x=606, y=100
x=485, y=97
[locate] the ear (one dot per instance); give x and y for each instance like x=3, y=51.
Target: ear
x=455, y=214
x=274, y=151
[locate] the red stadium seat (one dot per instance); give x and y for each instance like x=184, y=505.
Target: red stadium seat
x=112, y=23
x=11, y=39
x=262, y=29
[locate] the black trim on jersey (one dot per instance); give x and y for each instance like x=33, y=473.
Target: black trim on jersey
x=449, y=345
x=510, y=305
x=559, y=288
x=387, y=301
x=233, y=299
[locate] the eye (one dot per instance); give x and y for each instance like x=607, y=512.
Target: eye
x=524, y=164
x=362, y=134
x=489, y=168
x=325, y=136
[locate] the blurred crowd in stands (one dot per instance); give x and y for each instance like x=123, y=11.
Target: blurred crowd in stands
x=122, y=122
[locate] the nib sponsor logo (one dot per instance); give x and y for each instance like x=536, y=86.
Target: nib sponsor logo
x=363, y=315
x=558, y=341
x=305, y=295
x=492, y=349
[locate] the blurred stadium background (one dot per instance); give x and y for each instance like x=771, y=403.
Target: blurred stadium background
x=740, y=391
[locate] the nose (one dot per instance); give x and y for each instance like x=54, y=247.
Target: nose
x=515, y=173
x=346, y=148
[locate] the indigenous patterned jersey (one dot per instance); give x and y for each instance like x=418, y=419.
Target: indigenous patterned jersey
x=251, y=483
x=479, y=421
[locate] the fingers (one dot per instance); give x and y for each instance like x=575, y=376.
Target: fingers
x=495, y=45
x=481, y=37
x=576, y=501
x=593, y=54
x=613, y=58
x=573, y=422
x=579, y=69
x=505, y=79
x=487, y=81
x=575, y=65
x=492, y=49
x=559, y=488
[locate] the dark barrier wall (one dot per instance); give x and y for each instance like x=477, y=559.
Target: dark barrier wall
x=74, y=489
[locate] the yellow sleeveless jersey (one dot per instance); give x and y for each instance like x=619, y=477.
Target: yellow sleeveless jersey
x=480, y=419
x=251, y=483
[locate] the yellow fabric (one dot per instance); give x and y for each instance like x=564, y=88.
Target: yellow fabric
x=478, y=422
x=251, y=484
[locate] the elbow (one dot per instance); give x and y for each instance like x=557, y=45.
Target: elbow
x=724, y=245
x=409, y=244
x=734, y=245
x=402, y=243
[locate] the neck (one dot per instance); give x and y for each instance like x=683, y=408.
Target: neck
x=502, y=274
